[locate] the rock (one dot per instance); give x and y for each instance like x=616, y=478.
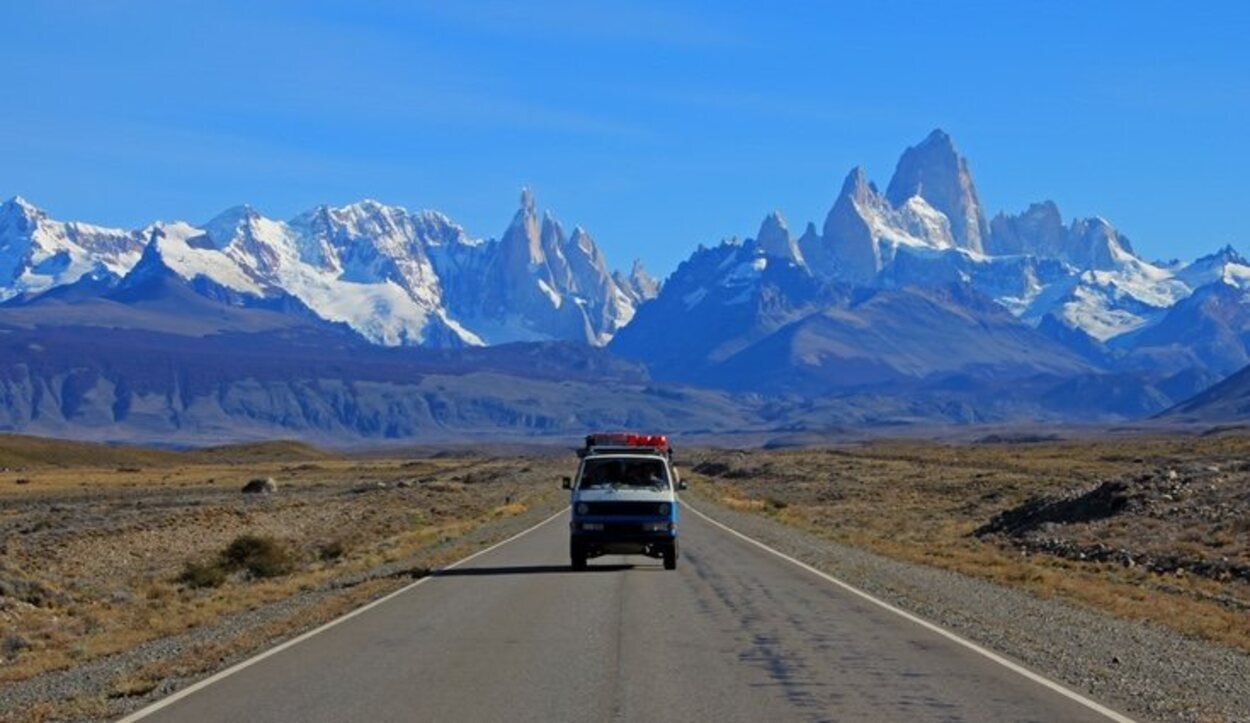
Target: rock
x=261, y=486
x=369, y=487
x=403, y=484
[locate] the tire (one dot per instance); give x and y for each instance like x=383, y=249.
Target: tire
x=577, y=556
x=670, y=557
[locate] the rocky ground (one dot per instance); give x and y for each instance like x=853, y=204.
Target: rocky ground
x=1118, y=564
x=97, y=610
x=1191, y=519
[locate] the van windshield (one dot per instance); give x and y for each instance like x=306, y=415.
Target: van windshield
x=624, y=473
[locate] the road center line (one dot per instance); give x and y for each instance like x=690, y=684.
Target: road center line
x=179, y=695
x=1015, y=667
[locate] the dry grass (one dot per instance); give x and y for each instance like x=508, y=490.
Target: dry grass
x=923, y=502
x=102, y=539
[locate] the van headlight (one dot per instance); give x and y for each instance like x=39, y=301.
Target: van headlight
x=665, y=508
x=582, y=508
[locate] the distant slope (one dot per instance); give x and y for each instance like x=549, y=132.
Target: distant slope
x=20, y=451
x=117, y=384
x=1226, y=402
x=893, y=336
x=746, y=322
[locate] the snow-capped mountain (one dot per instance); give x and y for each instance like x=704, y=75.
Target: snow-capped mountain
x=934, y=171
x=740, y=316
x=928, y=228
x=395, y=277
x=774, y=312
x=910, y=286
x=38, y=253
x=539, y=283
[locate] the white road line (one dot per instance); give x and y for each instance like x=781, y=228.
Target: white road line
x=1015, y=667
x=175, y=697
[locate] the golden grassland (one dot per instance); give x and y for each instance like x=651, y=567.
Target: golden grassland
x=94, y=541
x=924, y=502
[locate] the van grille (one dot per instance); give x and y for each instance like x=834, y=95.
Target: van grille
x=633, y=509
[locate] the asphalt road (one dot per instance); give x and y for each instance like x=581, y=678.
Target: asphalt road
x=734, y=634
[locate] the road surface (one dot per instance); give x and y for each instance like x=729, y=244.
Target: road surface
x=734, y=634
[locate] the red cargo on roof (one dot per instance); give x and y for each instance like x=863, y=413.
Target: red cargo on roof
x=627, y=439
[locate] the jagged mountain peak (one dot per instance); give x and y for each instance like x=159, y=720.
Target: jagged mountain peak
x=773, y=223
x=938, y=138
x=774, y=239
x=21, y=216
x=857, y=185
x=1043, y=209
x=552, y=223
x=934, y=170
x=38, y=253
x=1227, y=254
x=241, y=212
x=231, y=222
x=1225, y=267
x=19, y=204
x=393, y=276
x=580, y=239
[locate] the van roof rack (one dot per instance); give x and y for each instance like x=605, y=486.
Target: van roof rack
x=626, y=443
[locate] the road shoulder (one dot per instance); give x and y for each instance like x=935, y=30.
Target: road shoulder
x=1146, y=671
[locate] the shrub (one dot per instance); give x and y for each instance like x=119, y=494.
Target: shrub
x=260, y=556
x=198, y=574
x=331, y=551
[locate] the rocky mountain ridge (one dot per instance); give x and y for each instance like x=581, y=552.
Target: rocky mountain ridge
x=906, y=304
x=395, y=277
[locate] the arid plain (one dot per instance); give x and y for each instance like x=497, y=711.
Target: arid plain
x=126, y=573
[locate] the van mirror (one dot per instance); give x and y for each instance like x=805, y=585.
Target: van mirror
x=681, y=484
x=566, y=483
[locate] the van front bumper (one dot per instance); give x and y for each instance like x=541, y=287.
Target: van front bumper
x=607, y=538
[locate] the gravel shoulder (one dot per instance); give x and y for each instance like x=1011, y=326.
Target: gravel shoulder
x=1146, y=671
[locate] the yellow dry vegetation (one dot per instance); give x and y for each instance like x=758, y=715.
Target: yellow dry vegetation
x=923, y=502
x=96, y=538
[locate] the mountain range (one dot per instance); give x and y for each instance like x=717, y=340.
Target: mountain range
x=396, y=278
x=904, y=306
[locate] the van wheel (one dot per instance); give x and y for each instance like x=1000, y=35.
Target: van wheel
x=670, y=557
x=578, y=557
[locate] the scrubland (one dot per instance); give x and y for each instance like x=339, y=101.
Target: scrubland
x=1151, y=528
x=147, y=566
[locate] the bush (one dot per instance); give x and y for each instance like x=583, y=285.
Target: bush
x=260, y=556
x=332, y=551
x=196, y=574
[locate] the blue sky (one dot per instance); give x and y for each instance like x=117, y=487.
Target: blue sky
x=657, y=126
